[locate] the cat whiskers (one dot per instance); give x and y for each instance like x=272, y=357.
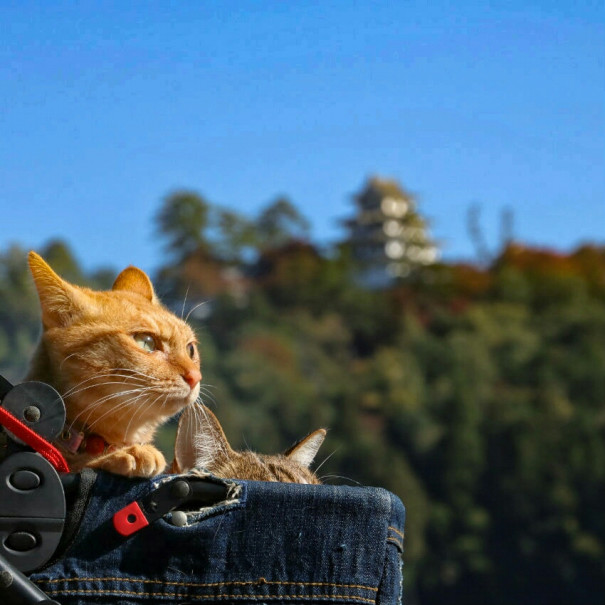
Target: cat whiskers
x=204, y=390
x=139, y=379
x=128, y=403
x=194, y=308
x=79, y=387
x=185, y=301
x=140, y=408
x=340, y=477
x=65, y=359
x=99, y=384
x=325, y=460
x=90, y=409
x=135, y=373
x=113, y=410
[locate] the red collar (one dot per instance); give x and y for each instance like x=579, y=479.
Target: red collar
x=78, y=442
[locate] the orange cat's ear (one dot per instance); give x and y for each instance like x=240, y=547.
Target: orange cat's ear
x=200, y=440
x=135, y=280
x=305, y=450
x=60, y=301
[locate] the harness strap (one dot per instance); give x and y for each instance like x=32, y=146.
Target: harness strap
x=43, y=447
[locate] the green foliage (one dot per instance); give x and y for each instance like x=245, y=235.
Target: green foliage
x=18, y=313
x=182, y=220
x=474, y=394
x=237, y=236
x=279, y=223
x=59, y=256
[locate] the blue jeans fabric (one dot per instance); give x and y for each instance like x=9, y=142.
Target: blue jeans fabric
x=269, y=543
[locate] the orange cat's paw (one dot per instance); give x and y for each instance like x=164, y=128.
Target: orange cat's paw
x=132, y=461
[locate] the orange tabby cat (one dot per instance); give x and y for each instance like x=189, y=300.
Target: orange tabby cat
x=122, y=362
x=201, y=443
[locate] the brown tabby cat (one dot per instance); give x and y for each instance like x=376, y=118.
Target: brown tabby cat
x=122, y=362
x=201, y=443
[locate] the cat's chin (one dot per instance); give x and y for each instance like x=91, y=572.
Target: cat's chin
x=174, y=406
x=193, y=396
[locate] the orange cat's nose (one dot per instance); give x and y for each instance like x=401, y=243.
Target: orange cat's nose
x=192, y=377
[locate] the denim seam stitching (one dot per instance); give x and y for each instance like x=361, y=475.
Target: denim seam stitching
x=399, y=533
x=395, y=541
x=210, y=596
x=259, y=582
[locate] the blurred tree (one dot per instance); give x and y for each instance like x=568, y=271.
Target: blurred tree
x=60, y=257
x=289, y=274
x=477, y=236
x=19, y=322
x=103, y=278
x=279, y=223
x=182, y=221
x=237, y=237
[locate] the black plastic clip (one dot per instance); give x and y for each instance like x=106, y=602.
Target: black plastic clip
x=167, y=497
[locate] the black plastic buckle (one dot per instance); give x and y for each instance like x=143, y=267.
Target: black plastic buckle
x=32, y=497
x=168, y=497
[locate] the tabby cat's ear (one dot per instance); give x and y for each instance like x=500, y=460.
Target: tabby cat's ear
x=200, y=441
x=211, y=445
x=305, y=450
x=60, y=301
x=135, y=280
x=184, y=447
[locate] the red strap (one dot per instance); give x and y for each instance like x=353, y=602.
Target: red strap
x=23, y=432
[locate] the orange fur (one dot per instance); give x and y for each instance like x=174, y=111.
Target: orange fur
x=91, y=352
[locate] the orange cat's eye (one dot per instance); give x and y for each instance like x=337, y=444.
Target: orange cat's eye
x=146, y=342
x=191, y=350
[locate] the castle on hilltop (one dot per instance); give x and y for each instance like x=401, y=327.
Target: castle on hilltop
x=389, y=239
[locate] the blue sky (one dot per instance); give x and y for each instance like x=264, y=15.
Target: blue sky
x=106, y=107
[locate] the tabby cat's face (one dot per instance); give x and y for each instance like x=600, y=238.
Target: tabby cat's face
x=262, y=467
x=121, y=360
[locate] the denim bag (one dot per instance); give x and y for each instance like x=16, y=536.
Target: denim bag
x=265, y=542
